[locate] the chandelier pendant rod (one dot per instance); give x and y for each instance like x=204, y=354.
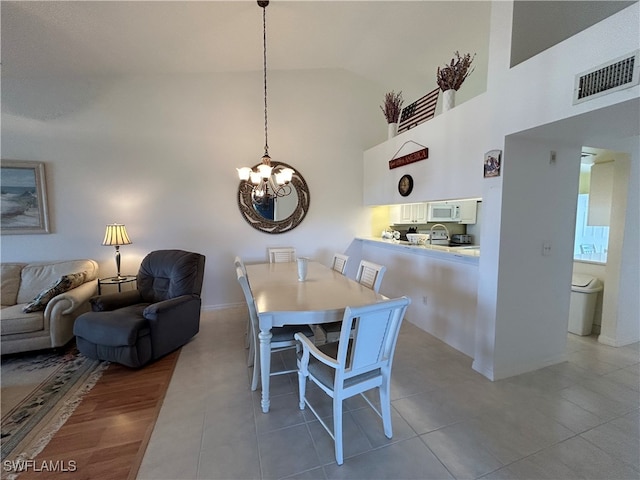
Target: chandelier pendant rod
x=264, y=4
x=266, y=182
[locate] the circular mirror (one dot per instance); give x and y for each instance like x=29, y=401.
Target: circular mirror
x=279, y=211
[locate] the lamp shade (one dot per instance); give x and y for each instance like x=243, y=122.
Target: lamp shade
x=116, y=234
x=265, y=170
x=287, y=174
x=244, y=173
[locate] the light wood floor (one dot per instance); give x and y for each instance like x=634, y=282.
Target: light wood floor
x=107, y=435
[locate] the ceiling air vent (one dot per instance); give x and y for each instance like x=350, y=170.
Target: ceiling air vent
x=616, y=75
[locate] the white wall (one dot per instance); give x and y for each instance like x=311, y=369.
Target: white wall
x=159, y=154
x=456, y=141
x=442, y=288
x=538, y=202
x=523, y=329
x=540, y=90
x=527, y=112
x=621, y=302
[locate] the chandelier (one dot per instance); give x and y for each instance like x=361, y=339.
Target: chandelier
x=265, y=182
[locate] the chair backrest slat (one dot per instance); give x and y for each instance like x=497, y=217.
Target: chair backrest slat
x=282, y=254
x=340, y=262
x=371, y=345
x=370, y=275
x=248, y=296
x=369, y=349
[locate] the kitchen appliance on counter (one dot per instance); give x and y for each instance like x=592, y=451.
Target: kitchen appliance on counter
x=461, y=239
x=439, y=235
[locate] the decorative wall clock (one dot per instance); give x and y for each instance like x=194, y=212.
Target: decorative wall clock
x=405, y=185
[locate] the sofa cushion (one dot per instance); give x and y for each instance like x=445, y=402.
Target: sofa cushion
x=38, y=276
x=63, y=284
x=13, y=320
x=10, y=276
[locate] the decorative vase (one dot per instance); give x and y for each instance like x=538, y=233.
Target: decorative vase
x=393, y=130
x=448, y=99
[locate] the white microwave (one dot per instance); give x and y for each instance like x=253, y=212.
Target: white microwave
x=443, y=212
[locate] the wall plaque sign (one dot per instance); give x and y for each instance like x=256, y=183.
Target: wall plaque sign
x=413, y=157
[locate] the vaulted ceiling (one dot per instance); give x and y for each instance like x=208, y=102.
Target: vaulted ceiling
x=397, y=44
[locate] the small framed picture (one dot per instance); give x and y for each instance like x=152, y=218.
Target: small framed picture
x=492, y=163
x=24, y=198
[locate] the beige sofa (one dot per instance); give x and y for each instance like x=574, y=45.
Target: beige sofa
x=53, y=311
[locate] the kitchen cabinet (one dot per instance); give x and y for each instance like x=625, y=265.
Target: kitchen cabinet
x=468, y=211
x=409, y=213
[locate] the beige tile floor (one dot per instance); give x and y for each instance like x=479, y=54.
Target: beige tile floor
x=578, y=419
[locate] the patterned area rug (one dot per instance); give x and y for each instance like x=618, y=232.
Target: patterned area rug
x=39, y=392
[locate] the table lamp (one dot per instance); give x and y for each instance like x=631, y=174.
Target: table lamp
x=116, y=235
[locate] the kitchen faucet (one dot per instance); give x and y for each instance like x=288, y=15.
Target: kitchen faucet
x=433, y=229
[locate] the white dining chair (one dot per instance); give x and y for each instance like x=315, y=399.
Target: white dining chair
x=282, y=339
x=282, y=254
x=239, y=263
x=370, y=275
x=355, y=364
x=247, y=343
x=339, y=262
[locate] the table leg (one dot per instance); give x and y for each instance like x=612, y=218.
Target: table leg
x=265, y=367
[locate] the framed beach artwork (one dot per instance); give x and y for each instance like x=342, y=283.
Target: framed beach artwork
x=23, y=198
x=492, y=163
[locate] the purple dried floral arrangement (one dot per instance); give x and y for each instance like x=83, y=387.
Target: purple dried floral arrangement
x=450, y=77
x=392, y=106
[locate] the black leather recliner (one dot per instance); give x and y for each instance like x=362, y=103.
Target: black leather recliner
x=135, y=327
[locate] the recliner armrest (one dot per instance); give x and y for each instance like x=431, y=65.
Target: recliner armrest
x=156, y=310
x=112, y=301
x=172, y=322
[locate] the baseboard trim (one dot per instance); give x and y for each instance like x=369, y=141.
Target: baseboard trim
x=483, y=370
x=493, y=373
x=209, y=308
x=613, y=342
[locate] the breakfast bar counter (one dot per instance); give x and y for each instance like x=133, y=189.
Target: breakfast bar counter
x=441, y=281
x=466, y=254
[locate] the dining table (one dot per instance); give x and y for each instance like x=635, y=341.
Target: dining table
x=281, y=299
